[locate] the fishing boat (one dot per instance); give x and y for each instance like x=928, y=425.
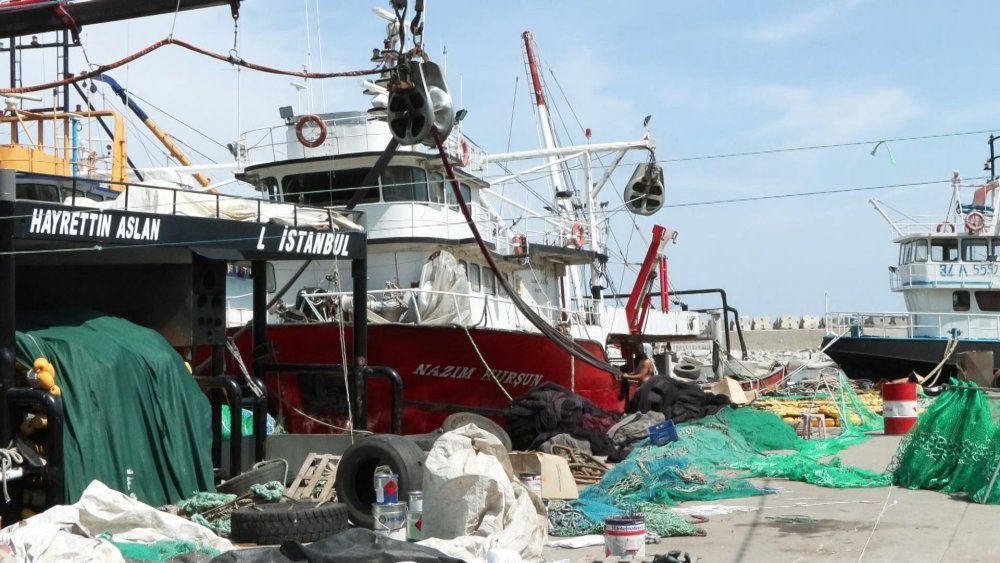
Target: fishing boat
x=484, y=281
x=948, y=274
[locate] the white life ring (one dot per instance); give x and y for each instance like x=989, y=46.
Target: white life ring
x=946, y=227
x=975, y=222
x=577, y=235
x=464, y=146
x=316, y=122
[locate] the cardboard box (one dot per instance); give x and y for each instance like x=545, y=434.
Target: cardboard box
x=731, y=388
x=557, y=479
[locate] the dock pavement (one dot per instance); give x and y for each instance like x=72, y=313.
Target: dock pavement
x=806, y=523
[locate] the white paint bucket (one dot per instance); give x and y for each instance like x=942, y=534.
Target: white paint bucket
x=390, y=520
x=624, y=535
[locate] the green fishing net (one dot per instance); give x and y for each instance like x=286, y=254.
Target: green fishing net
x=653, y=478
x=954, y=447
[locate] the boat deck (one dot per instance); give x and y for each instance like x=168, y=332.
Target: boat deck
x=809, y=523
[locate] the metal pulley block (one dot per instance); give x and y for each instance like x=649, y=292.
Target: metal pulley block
x=419, y=101
x=644, y=191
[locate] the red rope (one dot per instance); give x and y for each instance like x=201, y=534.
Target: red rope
x=171, y=41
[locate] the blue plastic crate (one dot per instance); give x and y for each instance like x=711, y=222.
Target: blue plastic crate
x=663, y=433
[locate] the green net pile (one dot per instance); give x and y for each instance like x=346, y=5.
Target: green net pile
x=653, y=478
x=955, y=446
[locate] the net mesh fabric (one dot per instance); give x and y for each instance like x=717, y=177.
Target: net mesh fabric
x=653, y=478
x=954, y=447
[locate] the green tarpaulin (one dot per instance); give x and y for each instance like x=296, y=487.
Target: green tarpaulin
x=135, y=419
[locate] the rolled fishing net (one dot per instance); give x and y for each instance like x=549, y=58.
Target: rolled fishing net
x=954, y=447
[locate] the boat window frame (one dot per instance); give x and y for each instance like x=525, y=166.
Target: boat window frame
x=918, y=245
x=945, y=244
x=489, y=281
x=403, y=189
x=960, y=300
x=988, y=300
x=436, y=188
x=475, y=273
x=968, y=242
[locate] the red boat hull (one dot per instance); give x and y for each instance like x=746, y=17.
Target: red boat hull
x=441, y=369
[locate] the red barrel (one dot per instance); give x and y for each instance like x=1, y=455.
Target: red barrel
x=899, y=407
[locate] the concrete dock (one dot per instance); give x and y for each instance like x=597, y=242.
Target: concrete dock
x=805, y=523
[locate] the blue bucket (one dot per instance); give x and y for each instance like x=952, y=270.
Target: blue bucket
x=663, y=433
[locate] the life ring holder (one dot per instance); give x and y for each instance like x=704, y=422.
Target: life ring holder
x=317, y=122
x=577, y=235
x=975, y=222
x=946, y=227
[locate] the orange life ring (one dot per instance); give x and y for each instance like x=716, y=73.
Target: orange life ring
x=520, y=244
x=464, y=145
x=975, y=222
x=317, y=122
x=577, y=235
x=945, y=227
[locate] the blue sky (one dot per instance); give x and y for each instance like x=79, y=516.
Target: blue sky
x=717, y=77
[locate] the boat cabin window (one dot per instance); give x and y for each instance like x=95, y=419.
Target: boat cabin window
x=435, y=187
x=988, y=300
x=450, y=194
x=500, y=289
x=920, y=251
x=489, y=282
x=37, y=192
x=327, y=188
x=960, y=300
x=975, y=250
x=944, y=250
x=475, y=277
x=404, y=183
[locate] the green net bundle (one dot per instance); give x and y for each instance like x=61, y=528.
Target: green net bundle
x=955, y=446
x=653, y=478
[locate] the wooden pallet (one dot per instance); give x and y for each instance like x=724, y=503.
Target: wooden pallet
x=315, y=479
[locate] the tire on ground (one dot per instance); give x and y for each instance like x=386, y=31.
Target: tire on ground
x=460, y=419
x=276, y=522
x=687, y=371
x=267, y=471
x=356, y=471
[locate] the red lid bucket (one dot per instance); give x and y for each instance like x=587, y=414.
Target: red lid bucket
x=899, y=407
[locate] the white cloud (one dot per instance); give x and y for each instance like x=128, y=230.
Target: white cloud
x=798, y=24
x=834, y=115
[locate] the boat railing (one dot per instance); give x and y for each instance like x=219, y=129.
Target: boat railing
x=165, y=200
x=965, y=326
x=492, y=311
x=922, y=224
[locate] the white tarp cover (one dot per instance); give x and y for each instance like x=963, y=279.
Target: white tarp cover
x=473, y=503
x=66, y=532
x=149, y=198
x=444, y=291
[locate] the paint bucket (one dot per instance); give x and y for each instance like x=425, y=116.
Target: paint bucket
x=532, y=482
x=416, y=501
x=386, y=487
x=899, y=407
x=390, y=520
x=414, y=525
x=624, y=535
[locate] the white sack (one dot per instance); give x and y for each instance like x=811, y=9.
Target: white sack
x=473, y=503
x=66, y=532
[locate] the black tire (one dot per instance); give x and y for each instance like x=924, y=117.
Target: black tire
x=267, y=471
x=276, y=522
x=356, y=472
x=426, y=441
x=460, y=419
x=687, y=371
